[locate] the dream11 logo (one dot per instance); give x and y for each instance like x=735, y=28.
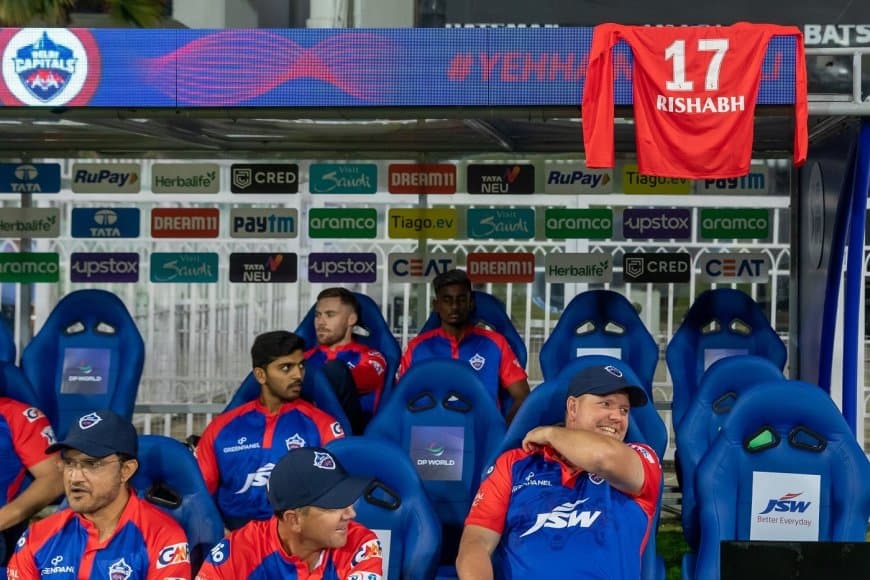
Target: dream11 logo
x=49, y=67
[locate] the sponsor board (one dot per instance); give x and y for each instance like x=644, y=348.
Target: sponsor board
x=263, y=267
x=589, y=224
x=277, y=222
x=418, y=268
x=785, y=506
x=657, y=224
x=104, y=267
x=734, y=267
x=343, y=223
x=184, y=267
x=86, y=371
x=422, y=223
x=29, y=177
x=421, y=178
x=343, y=178
x=576, y=178
x=585, y=268
x=500, y=224
x=30, y=222
x=29, y=267
x=343, y=267
x=185, y=222
x=837, y=34
x=500, y=267
x=264, y=178
x=500, y=179
x=105, y=178
x=657, y=268
x=735, y=223
x=105, y=222
x=437, y=452
x=753, y=182
x=634, y=182
x=185, y=178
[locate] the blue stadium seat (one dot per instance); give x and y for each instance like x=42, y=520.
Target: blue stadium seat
x=720, y=323
x=600, y=322
x=315, y=388
x=87, y=355
x=169, y=477
x=15, y=385
x=545, y=405
x=787, y=442
x=372, y=330
x=8, y=351
x=723, y=383
x=396, y=508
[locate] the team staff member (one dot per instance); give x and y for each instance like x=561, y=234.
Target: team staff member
x=486, y=350
x=107, y=531
x=355, y=371
x=311, y=534
x=24, y=434
x=239, y=448
x=575, y=498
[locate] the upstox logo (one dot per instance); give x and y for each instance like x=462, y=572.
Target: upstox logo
x=418, y=223
x=347, y=267
x=343, y=223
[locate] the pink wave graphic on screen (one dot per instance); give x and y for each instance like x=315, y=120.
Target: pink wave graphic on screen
x=233, y=66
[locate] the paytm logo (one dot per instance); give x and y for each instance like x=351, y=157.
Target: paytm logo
x=264, y=222
x=105, y=178
x=418, y=268
x=351, y=267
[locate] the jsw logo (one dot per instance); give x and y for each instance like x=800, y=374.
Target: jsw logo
x=564, y=516
x=786, y=504
x=259, y=478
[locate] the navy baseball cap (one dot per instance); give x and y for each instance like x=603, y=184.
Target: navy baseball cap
x=99, y=434
x=312, y=476
x=603, y=380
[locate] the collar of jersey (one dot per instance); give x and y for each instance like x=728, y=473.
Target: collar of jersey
x=569, y=474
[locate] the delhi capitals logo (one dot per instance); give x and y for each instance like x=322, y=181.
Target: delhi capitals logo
x=48, y=67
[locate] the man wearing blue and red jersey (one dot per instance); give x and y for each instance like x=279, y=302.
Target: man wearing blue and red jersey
x=311, y=535
x=107, y=531
x=239, y=448
x=24, y=434
x=575, y=499
x=355, y=371
x=486, y=350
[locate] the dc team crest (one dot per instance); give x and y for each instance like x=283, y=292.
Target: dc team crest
x=48, y=66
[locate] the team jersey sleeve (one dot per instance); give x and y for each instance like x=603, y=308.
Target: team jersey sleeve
x=648, y=497
x=218, y=565
x=205, y=457
x=31, y=434
x=510, y=370
x=405, y=362
x=22, y=564
x=597, y=109
x=169, y=553
x=490, y=505
x=369, y=372
x=328, y=428
x=365, y=555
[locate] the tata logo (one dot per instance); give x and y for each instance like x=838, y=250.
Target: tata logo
x=29, y=177
x=104, y=222
x=564, y=516
x=418, y=268
x=259, y=478
x=49, y=66
x=105, y=178
x=786, y=503
x=350, y=267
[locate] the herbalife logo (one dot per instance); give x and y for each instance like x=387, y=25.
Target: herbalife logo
x=30, y=222
x=185, y=178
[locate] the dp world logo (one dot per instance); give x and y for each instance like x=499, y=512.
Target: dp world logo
x=48, y=66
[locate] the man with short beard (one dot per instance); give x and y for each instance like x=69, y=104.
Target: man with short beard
x=107, y=531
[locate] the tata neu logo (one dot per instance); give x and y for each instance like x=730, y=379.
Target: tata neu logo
x=506, y=267
x=263, y=268
x=185, y=222
x=350, y=267
x=501, y=179
x=264, y=178
x=657, y=268
x=422, y=178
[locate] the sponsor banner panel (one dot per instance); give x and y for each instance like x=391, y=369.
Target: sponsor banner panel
x=418, y=268
x=735, y=223
x=106, y=178
x=422, y=223
x=657, y=268
x=756, y=182
x=579, y=267
x=501, y=267
x=104, y=267
x=589, y=224
x=29, y=177
x=634, y=182
x=343, y=178
x=576, y=178
x=185, y=178
x=501, y=179
x=657, y=223
x=105, y=222
x=184, y=267
x=30, y=222
x=29, y=267
x=785, y=506
x=343, y=223
x=264, y=178
x=276, y=222
x=185, y=222
x=263, y=267
x=735, y=267
x=343, y=267
x=421, y=178
x=501, y=224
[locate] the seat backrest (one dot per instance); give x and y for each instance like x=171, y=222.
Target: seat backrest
x=785, y=466
x=169, y=477
x=396, y=508
x=8, y=351
x=315, y=388
x=88, y=355
x=15, y=385
x=372, y=330
x=601, y=322
x=720, y=323
x=444, y=419
x=723, y=383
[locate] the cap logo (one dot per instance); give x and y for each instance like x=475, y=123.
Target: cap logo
x=323, y=460
x=89, y=421
x=613, y=371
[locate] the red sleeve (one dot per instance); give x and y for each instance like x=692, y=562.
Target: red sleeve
x=362, y=553
x=167, y=547
x=31, y=432
x=407, y=357
x=597, y=107
x=205, y=455
x=369, y=373
x=490, y=505
x=22, y=565
x=327, y=426
x=510, y=370
x=648, y=497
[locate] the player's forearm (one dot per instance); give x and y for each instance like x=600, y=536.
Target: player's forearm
x=473, y=562
x=39, y=494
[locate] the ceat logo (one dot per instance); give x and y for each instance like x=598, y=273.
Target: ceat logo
x=49, y=67
x=786, y=503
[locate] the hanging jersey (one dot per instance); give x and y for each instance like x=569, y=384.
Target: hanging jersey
x=695, y=89
x=486, y=351
x=545, y=512
x=147, y=545
x=239, y=448
x=368, y=367
x=24, y=434
x=255, y=552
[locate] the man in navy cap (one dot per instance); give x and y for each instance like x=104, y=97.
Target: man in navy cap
x=311, y=535
x=575, y=501
x=107, y=531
